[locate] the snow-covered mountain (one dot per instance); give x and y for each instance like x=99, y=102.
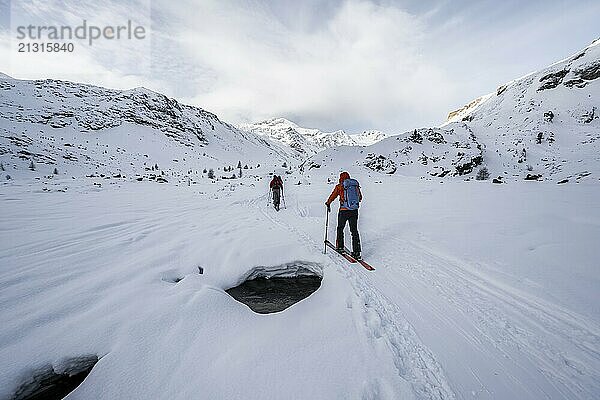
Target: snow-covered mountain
x=452, y=151
x=309, y=141
x=81, y=130
x=543, y=126
x=545, y=123
x=368, y=137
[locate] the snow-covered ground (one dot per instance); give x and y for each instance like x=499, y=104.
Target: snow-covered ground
x=480, y=290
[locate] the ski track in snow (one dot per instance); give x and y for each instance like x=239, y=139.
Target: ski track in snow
x=381, y=319
x=508, y=320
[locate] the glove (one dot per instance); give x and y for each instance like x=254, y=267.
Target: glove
x=328, y=207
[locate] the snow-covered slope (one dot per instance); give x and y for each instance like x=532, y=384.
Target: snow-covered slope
x=87, y=130
x=544, y=126
x=299, y=140
x=309, y=141
x=546, y=123
x=452, y=151
x=368, y=137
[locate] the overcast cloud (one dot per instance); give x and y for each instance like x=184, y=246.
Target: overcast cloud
x=352, y=64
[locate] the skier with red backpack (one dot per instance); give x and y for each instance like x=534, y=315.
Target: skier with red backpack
x=348, y=190
x=276, y=186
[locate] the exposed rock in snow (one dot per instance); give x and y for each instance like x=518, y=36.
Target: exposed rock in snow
x=458, y=115
x=380, y=163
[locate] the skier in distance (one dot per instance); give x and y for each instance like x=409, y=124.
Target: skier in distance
x=277, y=190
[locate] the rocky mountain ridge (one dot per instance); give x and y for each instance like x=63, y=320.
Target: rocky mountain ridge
x=85, y=130
x=544, y=126
x=309, y=141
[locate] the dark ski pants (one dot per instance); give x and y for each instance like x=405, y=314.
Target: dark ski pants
x=276, y=197
x=350, y=216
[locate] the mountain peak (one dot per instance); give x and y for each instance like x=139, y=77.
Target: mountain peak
x=308, y=141
x=276, y=121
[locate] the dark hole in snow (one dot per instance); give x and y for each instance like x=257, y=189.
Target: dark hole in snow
x=172, y=279
x=55, y=382
x=172, y=276
x=270, y=290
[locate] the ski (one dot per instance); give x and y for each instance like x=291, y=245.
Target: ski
x=365, y=264
x=343, y=254
x=347, y=256
x=362, y=262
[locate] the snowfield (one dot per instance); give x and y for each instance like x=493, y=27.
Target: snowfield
x=480, y=290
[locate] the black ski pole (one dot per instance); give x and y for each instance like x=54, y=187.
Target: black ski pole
x=269, y=198
x=283, y=197
x=326, y=230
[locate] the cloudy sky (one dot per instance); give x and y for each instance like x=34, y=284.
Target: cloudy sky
x=331, y=64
